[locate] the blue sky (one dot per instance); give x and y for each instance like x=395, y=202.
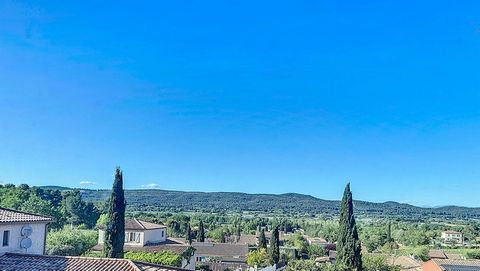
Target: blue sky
x=252, y=96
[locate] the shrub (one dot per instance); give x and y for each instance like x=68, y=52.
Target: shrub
x=165, y=257
x=70, y=242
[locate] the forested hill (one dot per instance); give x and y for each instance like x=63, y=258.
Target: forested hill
x=162, y=200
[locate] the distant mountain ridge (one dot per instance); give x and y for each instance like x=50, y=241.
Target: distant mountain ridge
x=289, y=203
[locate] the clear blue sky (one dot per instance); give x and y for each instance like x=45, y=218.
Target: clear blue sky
x=253, y=96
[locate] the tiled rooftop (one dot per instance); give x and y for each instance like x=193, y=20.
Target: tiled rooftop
x=12, y=216
x=221, y=249
x=26, y=262
x=465, y=265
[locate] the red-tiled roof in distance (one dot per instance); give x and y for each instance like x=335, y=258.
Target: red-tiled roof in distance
x=27, y=262
x=13, y=216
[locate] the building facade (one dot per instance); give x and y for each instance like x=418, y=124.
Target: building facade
x=22, y=232
x=452, y=237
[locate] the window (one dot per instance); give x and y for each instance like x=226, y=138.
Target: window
x=6, y=237
x=132, y=237
x=163, y=233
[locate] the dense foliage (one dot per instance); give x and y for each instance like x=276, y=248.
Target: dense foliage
x=65, y=207
x=70, y=242
x=164, y=257
x=258, y=258
x=292, y=204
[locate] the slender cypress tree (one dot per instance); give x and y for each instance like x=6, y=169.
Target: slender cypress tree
x=274, y=247
x=389, y=232
x=115, y=231
x=189, y=234
x=201, y=232
x=348, y=247
x=262, y=241
x=239, y=232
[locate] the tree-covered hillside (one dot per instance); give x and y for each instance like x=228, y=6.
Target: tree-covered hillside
x=162, y=200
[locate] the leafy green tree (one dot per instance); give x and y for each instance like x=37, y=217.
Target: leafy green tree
x=348, y=247
x=70, y=242
x=316, y=251
x=201, y=232
x=258, y=258
x=37, y=205
x=102, y=221
x=115, y=231
x=262, y=240
x=299, y=242
x=77, y=211
x=274, y=247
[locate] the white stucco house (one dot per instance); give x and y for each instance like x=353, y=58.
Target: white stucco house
x=140, y=233
x=22, y=232
x=453, y=237
x=143, y=236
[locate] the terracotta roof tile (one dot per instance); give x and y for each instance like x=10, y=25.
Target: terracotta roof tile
x=28, y=262
x=9, y=216
x=221, y=249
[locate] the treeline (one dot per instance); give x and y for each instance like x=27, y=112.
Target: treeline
x=295, y=205
x=66, y=207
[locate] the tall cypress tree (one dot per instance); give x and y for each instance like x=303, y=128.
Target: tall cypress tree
x=239, y=232
x=201, y=232
x=189, y=234
x=274, y=247
x=389, y=232
x=348, y=247
x=115, y=231
x=262, y=241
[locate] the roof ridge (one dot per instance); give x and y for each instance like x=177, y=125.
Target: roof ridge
x=159, y=265
x=68, y=257
x=27, y=213
x=140, y=223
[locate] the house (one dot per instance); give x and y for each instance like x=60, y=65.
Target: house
x=451, y=265
x=406, y=263
x=248, y=239
x=437, y=254
x=453, y=237
x=316, y=241
x=143, y=236
x=221, y=255
x=140, y=233
x=22, y=232
x=29, y=262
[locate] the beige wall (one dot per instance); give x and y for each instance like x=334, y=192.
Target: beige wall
x=155, y=236
x=37, y=237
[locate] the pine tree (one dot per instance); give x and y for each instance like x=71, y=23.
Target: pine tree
x=262, y=241
x=115, y=230
x=348, y=247
x=274, y=247
x=201, y=232
x=189, y=234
